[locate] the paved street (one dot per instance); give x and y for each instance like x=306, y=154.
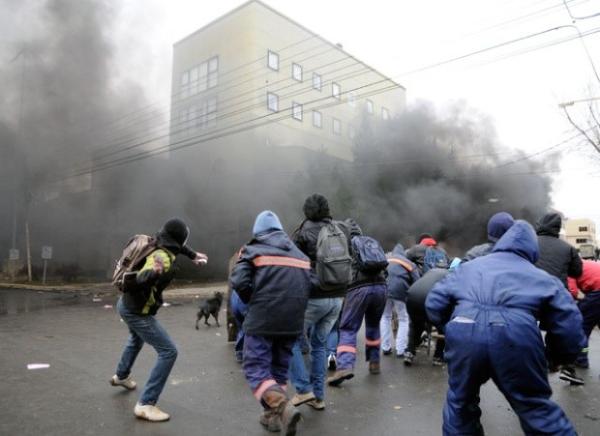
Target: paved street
x=207, y=394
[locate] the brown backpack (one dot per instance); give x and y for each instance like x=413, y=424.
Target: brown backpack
x=134, y=254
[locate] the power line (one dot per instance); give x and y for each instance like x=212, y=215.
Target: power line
x=597, y=14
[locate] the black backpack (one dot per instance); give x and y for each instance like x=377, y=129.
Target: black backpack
x=334, y=264
x=370, y=257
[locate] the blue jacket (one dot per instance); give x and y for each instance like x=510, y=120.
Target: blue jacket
x=402, y=273
x=273, y=277
x=506, y=288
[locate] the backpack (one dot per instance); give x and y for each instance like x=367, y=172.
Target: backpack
x=370, y=257
x=434, y=258
x=134, y=254
x=334, y=264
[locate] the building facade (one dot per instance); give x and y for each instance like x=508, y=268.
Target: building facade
x=579, y=232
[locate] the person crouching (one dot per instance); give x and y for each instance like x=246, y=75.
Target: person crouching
x=273, y=277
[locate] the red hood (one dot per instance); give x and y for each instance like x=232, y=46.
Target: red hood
x=430, y=242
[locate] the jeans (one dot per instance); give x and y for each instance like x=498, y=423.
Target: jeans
x=146, y=329
x=590, y=311
x=321, y=314
x=387, y=335
x=333, y=338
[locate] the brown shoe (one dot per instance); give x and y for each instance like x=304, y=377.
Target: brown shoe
x=374, y=368
x=270, y=420
x=299, y=399
x=339, y=376
x=290, y=416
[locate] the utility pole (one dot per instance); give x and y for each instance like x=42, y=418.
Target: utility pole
x=595, y=124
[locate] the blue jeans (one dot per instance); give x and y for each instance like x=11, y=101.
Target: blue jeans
x=146, y=329
x=321, y=314
x=333, y=338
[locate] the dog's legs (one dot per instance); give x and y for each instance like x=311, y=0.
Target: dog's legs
x=206, y=319
x=197, y=320
x=216, y=315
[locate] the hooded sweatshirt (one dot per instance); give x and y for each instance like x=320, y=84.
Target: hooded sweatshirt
x=505, y=289
x=557, y=257
x=402, y=273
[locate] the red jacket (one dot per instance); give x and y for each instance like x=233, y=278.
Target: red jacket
x=588, y=281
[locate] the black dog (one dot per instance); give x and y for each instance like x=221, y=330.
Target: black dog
x=210, y=306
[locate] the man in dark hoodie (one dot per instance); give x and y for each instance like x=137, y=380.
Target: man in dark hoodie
x=272, y=276
x=497, y=225
x=322, y=310
x=426, y=254
x=560, y=259
x=137, y=309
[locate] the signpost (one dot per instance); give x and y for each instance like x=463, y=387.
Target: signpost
x=46, y=256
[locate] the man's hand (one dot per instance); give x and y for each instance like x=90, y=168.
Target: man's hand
x=200, y=259
x=158, y=266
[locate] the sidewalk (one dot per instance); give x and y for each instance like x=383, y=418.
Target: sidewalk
x=181, y=291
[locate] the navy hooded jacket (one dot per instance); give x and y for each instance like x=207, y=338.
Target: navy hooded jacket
x=273, y=277
x=506, y=288
x=402, y=273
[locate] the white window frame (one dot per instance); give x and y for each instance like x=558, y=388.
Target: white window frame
x=317, y=82
x=297, y=72
x=213, y=72
x=370, y=107
x=336, y=90
x=185, y=85
x=272, y=97
x=317, y=116
x=338, y=131
x=385, y=113
x=272, y=60
x=297, y=111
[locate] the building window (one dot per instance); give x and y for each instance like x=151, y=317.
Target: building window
x=213, y=69
x=385, y=114
x=583, y=229
x=185, y=82
x=337, y=126
x=272, y=102
x=351, y=132
x=317, y=82
x=297, y=111
x=273, y=60
x=193, y=88
x=352, y=99
x=297, y=72
x=211, y=112
x=336, y=90
x=370, y=107
x=317, y=119
x=580, y=240
x=201, y=83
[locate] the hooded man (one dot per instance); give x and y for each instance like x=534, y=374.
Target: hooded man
x=322, y=311
x=497, y=225
x=137, y=309
x=402, y=273
x=489, y=309
x=272, y=276
x=557, y=257
x=427, y=255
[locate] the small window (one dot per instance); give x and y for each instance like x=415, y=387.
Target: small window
x=351, y=132
x=202, y=76
x=297, y=72
x=194, y=81
x=336, y=90
x=370, y=107
x=185, y=82
x=337, y=127
x=581, y=240
x=352, y=99
x=213, y=68
x=317, y=82
x=297, y=111
x=273, y=60
x=317, y=119
x=583, y=229
x=385, y=114
x=272, y=102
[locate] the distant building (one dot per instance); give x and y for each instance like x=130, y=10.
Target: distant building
x=256, y=67
x=579, y=232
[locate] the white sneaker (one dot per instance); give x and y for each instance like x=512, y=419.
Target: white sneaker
x=127, y=383
x=150, y=413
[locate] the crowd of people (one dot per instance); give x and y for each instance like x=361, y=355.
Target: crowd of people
x=501, y=312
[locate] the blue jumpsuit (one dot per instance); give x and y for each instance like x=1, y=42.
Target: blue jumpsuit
x=489, y=308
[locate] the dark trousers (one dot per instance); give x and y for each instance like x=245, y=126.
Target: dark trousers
x=416, y=328
x=590, y=311
x=266, y=362
x=365, y=302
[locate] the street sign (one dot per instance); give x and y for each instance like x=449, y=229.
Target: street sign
x=13, y=254
x=46, y=252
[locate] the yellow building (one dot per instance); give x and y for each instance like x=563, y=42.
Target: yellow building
x=257, y=74
x=580, y=231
